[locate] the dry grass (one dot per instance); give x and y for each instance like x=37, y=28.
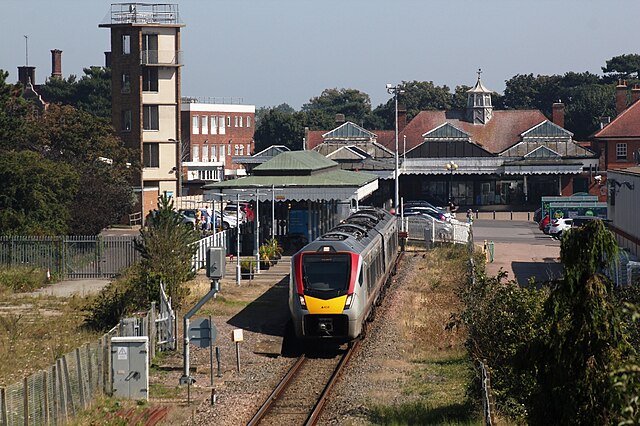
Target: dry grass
x=34, y=332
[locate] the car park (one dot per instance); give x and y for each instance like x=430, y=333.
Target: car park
x=559, y=226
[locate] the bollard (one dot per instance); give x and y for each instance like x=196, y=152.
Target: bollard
x=485, y=250
x=511, y=214
x=491, y=253
x=477, y=213
x=494, y=215
x=528, y=216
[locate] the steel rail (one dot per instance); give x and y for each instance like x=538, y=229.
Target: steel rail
x=317, y=409
x=264, y=409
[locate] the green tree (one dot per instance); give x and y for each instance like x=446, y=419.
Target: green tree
x=280, y=128
x=91, y=93
x=13, y=113
x=354, y=104
x=262, y=111
x=586, y=104
x=585, y=337
x=623, y=66
x=166, y=245
x=36, y=194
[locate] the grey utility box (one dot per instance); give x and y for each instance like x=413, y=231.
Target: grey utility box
x=130, y=367
x=216, y=262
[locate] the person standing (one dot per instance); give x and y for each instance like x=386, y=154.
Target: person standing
x=210, y=217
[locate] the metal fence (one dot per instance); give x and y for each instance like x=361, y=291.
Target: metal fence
x=219, y=239
x=70, y=256
x=431, y=230
x=57, y=394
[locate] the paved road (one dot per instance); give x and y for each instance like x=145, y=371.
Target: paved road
x=521, y=249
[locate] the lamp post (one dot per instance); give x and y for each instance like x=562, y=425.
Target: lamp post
x=451, y=166
x=395, y=90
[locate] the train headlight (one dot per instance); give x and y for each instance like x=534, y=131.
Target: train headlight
x=347, y=303
x=302, y=301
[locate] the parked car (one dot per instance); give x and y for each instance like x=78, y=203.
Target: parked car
x=189, y=216
x=228, y=221
x=537, y=215
x=232, y=209
x=443, y=229
x=435, y=213
x=559, y=226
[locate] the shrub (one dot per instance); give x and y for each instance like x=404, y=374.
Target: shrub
x=22, y=278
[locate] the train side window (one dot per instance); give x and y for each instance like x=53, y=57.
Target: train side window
x=361, y=278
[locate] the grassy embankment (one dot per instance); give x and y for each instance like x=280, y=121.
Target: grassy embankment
x=441, y=370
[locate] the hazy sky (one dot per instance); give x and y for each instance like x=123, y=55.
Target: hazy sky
x=272, y=51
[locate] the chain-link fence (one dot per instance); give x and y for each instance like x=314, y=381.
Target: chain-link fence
x=57, y=394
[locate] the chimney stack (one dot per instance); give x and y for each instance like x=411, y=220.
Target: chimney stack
x=557, y=114
x=340, y=119
x=26, y=75
x=56, y=63
x=635, y=93
x=621, y=96
x=402, y=117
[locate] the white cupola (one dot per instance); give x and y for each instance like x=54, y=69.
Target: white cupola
x=479, y=108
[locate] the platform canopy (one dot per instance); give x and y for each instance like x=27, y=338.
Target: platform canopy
x=298, y=176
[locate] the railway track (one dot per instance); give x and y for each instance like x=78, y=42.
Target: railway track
x=300, y=396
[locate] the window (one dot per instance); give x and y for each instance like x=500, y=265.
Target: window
x=621, y=151
x=248, y=149
x=240, y=120
x=125, y=83
x=241, y=150
x=126, y=44
x=222, y=154
x=151, y=154
x=150, y=117
x=149, y=48
x=205, y=154
x=205, y=124
x=221, y=128
x=236, y=149
x=150, y=79
x=228, y=121
x=235, y=121
x=196, y=153
x=248, y=121
x=214, y=124
x=126, y=120
x=195, y=125
x=213, y=153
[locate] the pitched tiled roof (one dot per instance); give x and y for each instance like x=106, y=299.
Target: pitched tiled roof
x=627, y=124
x=501, y=132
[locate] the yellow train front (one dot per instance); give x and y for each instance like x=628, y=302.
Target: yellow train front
x=336, y=279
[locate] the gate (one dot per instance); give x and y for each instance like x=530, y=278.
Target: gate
x=165, y=323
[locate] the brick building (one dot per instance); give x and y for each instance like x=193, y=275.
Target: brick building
x=145, y=61
x=212, y=135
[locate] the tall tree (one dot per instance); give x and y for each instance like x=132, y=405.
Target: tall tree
x=91, y=93
x=585, y=339
x=354, y=104
x=279, y=128
x=36, y=194
x=166, y=247
x=623, y=66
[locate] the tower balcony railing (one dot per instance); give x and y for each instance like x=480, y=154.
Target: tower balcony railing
x=143, y=13
x=161, y=57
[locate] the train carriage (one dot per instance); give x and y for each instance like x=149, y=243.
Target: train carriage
x=337, y=279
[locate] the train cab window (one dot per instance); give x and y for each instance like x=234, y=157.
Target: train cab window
x=326, y=275
x=361, y=278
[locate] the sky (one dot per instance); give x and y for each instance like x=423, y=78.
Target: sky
x=268, y=52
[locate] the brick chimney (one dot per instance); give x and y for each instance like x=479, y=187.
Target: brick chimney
x=339, y=119
x=557, y=113
x=56, y=63
x=621, y=96
x=402, y=117
x=26, y=75
x=635, y=93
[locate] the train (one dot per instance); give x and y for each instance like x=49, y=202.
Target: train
x=337, y=279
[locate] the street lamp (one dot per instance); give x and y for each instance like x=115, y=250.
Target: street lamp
x=451, y=166
x=395, y=90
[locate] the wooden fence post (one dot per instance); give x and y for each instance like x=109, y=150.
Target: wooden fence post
x=83, y=401
x=63, y=397
x=67, y=384
x=152, y=332
x=54, y=395
x=46, y=397
x=3, y=405
x=25, y=407
x=89, y=374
